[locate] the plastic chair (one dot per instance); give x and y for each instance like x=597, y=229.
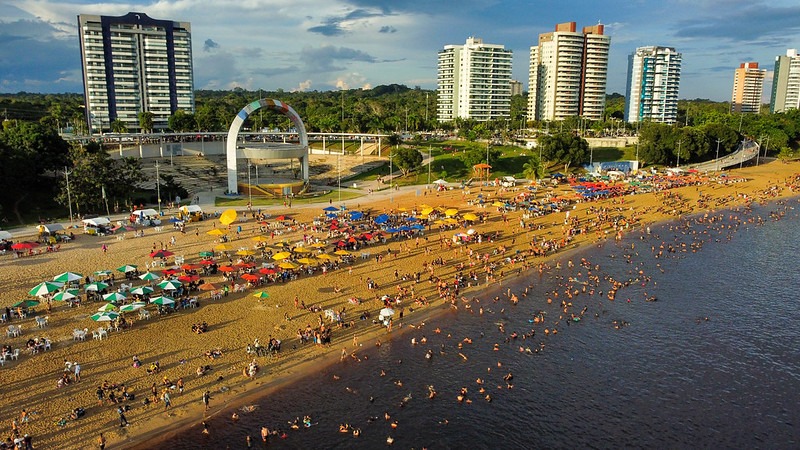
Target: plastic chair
x=15, y=355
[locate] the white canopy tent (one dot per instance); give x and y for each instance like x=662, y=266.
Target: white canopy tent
x=96, y=222
x=5, y=235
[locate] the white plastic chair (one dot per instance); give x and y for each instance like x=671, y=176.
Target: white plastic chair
x=15, y=355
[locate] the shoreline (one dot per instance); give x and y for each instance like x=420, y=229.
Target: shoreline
x=235, y=320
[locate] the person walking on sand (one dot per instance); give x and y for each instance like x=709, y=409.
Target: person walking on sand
x=167, y=399
x=206, y=398
x=77, y=368
x=105, y=248
x=101, y=442
x=123, y=421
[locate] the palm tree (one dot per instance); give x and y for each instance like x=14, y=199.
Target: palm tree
x=533, y=169
x=118, y=126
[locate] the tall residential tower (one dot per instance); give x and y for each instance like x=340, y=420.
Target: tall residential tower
x=474, y=81
x=654, y=77
x=568, y=71
x=134, y=64
x=748, y=83
x=786, y=83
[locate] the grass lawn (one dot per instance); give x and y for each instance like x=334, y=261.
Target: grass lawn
x=324, y=198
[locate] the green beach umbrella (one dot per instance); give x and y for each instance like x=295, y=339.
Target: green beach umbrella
x=68, y=277
x=170, y=285
x=206, y=254
x=114, y=297
x=106, y=316
x=135, y=306
x=149, y=276
x=162, y=300
x=45, y=288
x=102, y=273
x=127, y=268
x=66, y=295
x=142, y=290
x=25, y=303
x=107, y=307
x=96, y=286
x=261, y=294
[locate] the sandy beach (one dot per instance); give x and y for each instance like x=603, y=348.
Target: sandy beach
x=235, y=320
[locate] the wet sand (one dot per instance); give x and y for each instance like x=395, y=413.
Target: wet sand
x=235, y=320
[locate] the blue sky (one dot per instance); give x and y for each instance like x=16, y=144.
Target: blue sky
x=332, y=44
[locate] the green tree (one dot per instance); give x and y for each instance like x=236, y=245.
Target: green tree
x=728, y=138
x=407, y=159
x=118, y=126
x=533, y=169
x=181, y=121
x=564, y=148
x=146, y=122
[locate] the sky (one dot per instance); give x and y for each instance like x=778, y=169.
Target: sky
x=321, y=45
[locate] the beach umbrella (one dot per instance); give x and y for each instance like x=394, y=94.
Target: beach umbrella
x=426, y=211
x=318, y=245
x=383, y=218
x=127, y=268
x=216, y=232
x=161, y=254
x=498, y=204
x=96, y=286
x=226, y=269
x=288, y=265
x=135, y=306
x=24, y=245
x=162, y=300
x=301, y=250
x=107, y=316
x=470, y=216
x=114, y=297
x=107, y=307
x=66, y=295
x=171, y=271
x=227, y=217
x=245, y=253
x=282, y=244
x=267, y=271
x=282, y=217
x=261, y=294
x=450, y=220
x=149, y=276
x=450, y=212
x=330, y=209
x=102, y=273
x=25, y=304
x=208, y=287
x=306, y=261
x=142, y=290
x=206, y=254
x=325, y=256
x=356, y=215
x=221, y=248
x=169, y=285
x=207, y=262
x=387, y=312
x=260, y=238
x=330, y=215
x=68, y=277
x=250, y=277
x=341, y=252
x=188, y=266
x=188, y=278
x=45, y=288
x=281, y=255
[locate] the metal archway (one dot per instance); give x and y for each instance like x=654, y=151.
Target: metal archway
x=233, y=136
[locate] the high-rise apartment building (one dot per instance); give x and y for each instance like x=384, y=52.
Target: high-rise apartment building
x=516, y=87
x=654, y=77
x=568, y=72
x=786, y=83
x=132, y=64
x=748, y=83
x=474, y=81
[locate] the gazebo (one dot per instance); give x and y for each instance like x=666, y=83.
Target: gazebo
x=481, y=171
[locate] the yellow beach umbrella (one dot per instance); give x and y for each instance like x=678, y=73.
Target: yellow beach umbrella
x=245, y=253
x=216, y=232
x=306, y=261
x=301, y=250
x=427, y=211
x=341, y=252
x=260, y=239
x=281, y=255
x=450, y=220
x=318, y=245
x=325, y=256
x=221, y=248
x=470, y=216
x=287, y=265
x=498, y=204
x=227, y=217
x=451, y=212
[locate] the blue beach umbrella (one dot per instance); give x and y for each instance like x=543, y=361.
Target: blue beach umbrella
x=330, y=209
x=383, y=218
x=355, y=215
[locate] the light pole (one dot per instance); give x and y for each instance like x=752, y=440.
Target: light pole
x=679, y=155
x=637, y=154
x=391, y=179
x=741, y=160
x=69, y=197
x=339, y=175
x=249, y=186
x=430, y=161
x=717, y=159
x=158, y=189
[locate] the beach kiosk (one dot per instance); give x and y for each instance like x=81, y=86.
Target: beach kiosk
x=147, y=217
x=191, y=213
x=97, y=226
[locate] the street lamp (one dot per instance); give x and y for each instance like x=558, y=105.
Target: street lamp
x=637, y=154
x=430, y=161
x=679, y=154
x=249, y=186
x=158, y=189
x=69, y=197
x=717, y=159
